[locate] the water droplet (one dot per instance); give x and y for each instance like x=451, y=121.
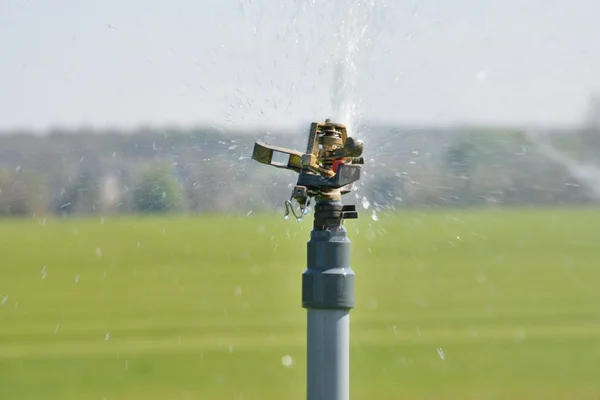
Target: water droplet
x=4, y=300
x=410, y=35
x=287, y=217
x=44, y=275
x=138, y=245
x=366, y=203
x=238, y=291
x=56, y=328
x=164, y=231
x=98, y=252
x=395, y=330
x=164, y=195
x=374, y=216
x=248, y=213
x=419, y=332
x=77, y=279
x=287, y=361
x=441, y=353
x=107, y=336
x=126, y=365
x=231, y=348
x=101, y=220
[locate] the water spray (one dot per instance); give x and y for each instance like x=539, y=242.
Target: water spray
x=326, y=171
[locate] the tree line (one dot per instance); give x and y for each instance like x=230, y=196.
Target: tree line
x=207, y=170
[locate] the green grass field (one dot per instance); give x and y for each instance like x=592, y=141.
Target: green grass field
x=450, y=305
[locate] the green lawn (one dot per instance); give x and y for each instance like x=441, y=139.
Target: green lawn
x=450, y=305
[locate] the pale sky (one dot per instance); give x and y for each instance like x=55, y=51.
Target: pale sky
x=122, y=63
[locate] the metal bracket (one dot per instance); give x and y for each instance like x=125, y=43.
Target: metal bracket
x=263, y=153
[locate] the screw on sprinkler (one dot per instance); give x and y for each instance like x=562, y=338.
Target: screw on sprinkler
x=327, y=170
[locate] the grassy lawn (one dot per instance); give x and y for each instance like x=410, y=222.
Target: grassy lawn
x=450, y=305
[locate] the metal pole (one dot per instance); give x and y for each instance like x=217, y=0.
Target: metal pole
x=328, y=296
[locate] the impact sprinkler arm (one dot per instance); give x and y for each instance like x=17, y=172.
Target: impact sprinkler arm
x=326, y=171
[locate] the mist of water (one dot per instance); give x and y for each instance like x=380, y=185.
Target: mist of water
x=337, y=38
x=587, y=174
x=351, y=40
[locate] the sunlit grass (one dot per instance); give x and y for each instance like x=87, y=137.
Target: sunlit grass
x=455, y=304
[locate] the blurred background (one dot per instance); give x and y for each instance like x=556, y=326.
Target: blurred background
x=458, y=103
x=126, y=130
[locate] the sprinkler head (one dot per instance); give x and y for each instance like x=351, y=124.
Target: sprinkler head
x=326, y=170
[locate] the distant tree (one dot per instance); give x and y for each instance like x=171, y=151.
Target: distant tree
x=157, y=190
x=83, y=196
x=22, y=193
x=459, y=165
